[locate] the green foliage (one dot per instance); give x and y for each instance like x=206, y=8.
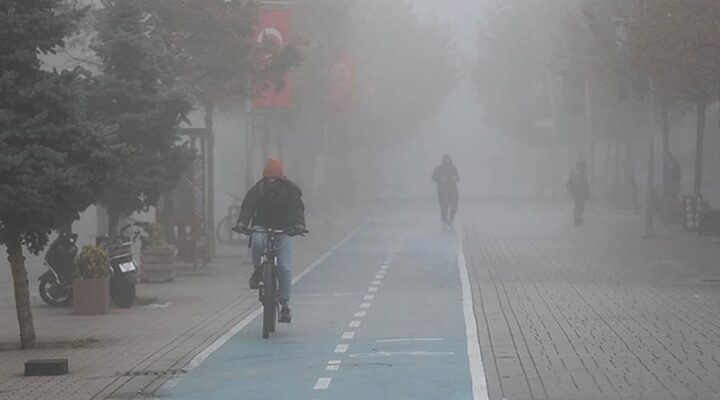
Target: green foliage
x=92, y=263
x=53, y=162
x=138, y=94
x=154, y=236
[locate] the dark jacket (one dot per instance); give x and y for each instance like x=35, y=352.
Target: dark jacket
x=446, y=176
x=273, y=203
x=579, y=186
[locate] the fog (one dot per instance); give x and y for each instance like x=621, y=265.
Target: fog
x=577, y=140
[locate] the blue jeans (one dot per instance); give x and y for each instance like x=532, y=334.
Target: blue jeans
x=284, y=260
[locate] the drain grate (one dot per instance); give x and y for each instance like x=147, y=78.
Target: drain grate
x=711, y=280
x=154, y=373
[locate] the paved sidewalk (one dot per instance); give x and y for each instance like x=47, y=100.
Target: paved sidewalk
x=595, y=312
x=134, y=351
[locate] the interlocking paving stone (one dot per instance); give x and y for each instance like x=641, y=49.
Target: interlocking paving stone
x=594, y=312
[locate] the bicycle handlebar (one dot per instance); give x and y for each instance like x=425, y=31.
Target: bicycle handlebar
x=288, y=231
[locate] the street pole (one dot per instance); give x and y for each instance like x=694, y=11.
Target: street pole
x=589, y=148
x=249, y=144
x=210, y=174
x=650, y=192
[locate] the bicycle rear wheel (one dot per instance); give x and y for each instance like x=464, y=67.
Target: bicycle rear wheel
x=269, y=299
x=224, y=233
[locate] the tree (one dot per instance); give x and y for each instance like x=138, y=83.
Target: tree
x=53, y=163
x=214, y=49
x=675, y=43
x=138, y=93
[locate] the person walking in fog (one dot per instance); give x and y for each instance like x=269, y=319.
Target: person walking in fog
x=579, y=188
x=446, y=177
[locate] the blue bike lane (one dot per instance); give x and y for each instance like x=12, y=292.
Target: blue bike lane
x=383, y=316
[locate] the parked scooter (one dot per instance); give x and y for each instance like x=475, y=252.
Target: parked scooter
x=124, y=267
x=56, y=284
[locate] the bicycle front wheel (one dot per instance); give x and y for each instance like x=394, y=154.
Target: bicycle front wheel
x=269, y=299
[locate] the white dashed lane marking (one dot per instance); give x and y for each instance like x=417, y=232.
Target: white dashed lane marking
x=322, y=384
x=334, y=365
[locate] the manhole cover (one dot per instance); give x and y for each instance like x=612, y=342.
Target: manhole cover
x=154, y=373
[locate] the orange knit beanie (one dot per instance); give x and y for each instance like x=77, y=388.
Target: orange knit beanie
x=273, y=169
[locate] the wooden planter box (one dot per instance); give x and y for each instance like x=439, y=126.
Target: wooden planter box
x=157, y=264
x=91, y=296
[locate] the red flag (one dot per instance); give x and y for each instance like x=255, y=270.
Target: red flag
x=274, y=26
x=340, y=90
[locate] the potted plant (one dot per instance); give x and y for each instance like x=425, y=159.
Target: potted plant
x=91, y=287
x=156, y=255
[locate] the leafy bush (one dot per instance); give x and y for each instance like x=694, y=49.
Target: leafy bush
x=93, y=263
x=154, y=236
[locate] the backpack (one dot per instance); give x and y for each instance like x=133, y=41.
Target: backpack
x=275, y=198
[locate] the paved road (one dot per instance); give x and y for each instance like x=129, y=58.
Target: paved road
x=381, y=318
x=562, y=313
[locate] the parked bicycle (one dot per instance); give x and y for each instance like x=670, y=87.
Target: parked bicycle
x=268, y=293
x=224, y=232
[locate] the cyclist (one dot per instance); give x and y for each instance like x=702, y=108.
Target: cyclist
x=274, y=202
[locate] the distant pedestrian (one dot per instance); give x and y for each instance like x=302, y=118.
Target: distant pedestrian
x=579, y=188
x=446, y=177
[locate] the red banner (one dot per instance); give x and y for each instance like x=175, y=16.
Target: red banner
x=340, y=88
x=274, y=26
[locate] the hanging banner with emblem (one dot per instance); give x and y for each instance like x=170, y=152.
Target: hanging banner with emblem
x=274, y=27
x=340, y=87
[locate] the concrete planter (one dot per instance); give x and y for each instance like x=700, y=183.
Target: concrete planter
x=91, y=296
x=157, y=264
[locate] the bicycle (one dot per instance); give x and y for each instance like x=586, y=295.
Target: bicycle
x=268, y=293
x=224, y=232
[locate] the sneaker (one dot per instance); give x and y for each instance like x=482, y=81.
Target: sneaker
x=285, y=315
x=255, y=279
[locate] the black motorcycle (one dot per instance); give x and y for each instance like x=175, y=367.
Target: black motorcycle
x=56, y=284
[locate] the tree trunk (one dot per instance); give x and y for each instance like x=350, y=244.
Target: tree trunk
x=665, y=122
x=701, y=108
x=651, y=195
x=210, y=205
x=665, y=137
x=113, y=222
x=630, y=188
x=22, y=293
